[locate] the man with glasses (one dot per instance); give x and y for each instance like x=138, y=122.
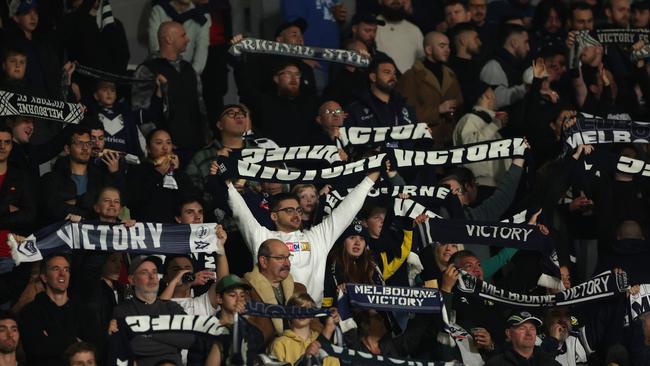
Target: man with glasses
x=309, y=248
x=330, y=119
x=272, y=283
x=73, y=185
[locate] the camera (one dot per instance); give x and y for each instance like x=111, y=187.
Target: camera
x=188, y=277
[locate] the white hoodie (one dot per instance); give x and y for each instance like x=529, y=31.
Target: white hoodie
x=309, y=248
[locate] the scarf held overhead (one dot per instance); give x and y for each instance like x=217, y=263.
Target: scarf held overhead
x=372, y=135
x=589, y=130
x=603, y=285
x=391, y=298
x=94, y=236
x=254, y=45
x=399, y=158
x=15, y=104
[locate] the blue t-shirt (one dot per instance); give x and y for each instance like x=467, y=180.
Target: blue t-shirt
x=81, y=181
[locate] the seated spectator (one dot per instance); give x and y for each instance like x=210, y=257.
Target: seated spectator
x=14, y=65
x=521, y=331
x=74, y=184
x=465, y=60
x=52, y=322
x=157, y=184
x=300, y=342
x=81, y=354
x=9, y=339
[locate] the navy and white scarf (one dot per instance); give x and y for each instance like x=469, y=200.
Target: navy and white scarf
x=373, y=135
x=595, y=130
x=16, y=104
x=603, y=285
x=392, y=298
x=254, y=45
x=142, y=237
x=640, y=303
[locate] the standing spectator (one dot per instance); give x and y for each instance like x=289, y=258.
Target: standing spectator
x=380, y=105
x=215, y=74
x=487, y=29
x=618, y=13
x=347, y=81
x=548, y=26
x=522, y=332
x=309, y=247
x=480, y=125
x=193, y=19
x=581, y=17
x=9, y=339
x=641, y=14
x=181, y=104
x=433, y=89
x=364, y=29
x=50, y=323
x=74, y=184
x=466, y=62
x=456, y=12
x=330, y=119
x=504, y=72
x=156, y=185
x=399, y=39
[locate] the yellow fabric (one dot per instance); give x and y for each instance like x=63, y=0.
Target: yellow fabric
x=389, y=269
x=289, y=348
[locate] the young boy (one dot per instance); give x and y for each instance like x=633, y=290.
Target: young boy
x=120, y=130
x=301, y=341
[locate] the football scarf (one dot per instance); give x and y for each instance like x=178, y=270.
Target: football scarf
x=640, y=303
x=603, y=285
x=261, y=309
x=142, y=237
x=392, y=298
x=254, y=45
x=374, y=135
x=15, y=104
x=399, y=158
x=591, y=130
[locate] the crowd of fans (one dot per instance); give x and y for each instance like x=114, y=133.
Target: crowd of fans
x=147, y=147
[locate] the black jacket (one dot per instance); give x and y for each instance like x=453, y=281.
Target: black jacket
x=368, y=111
x=47, y=330
x=58, y=187
x=510, y=357
x=17, y=190
x=148, y=200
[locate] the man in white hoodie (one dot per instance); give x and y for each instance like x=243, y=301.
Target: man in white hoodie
x=308, y=248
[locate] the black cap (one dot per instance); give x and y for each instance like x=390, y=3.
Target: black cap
x=366, y=18
x=355, y=228
x=298, y=22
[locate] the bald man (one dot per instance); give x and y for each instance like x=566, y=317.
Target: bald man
x=182, y=118
x=433, y=89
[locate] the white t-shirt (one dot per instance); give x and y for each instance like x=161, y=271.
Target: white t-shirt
x=199, y=305
x=402, y=41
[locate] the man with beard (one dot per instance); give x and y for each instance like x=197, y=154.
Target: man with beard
x=433, y=89
x=288, y=109
x=465, y=61
x=74, y=184
x=399, y=38
x=456, y=12
x=9, y=338
x=380, y=105
x=364, y=29
x=50, y=323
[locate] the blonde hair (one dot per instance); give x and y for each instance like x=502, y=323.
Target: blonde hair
x=298, y=188
x=301, y=300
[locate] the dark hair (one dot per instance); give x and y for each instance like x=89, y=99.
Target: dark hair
x=455, y=2
x=461, y=28
x=6, y=314
x=379, y=59
x=459, y=255
x=79, y=347
x=13, y=48
x=165, y=361
x=77, y=130
x=580, y=5
x=46, y=261
x=105, y=189
x=354, y=270
x=543, y=11
x=5, y=128
x=170, y=258
x=153, y=132
x=265, y=248
x=92, y=122
x=507, y=30
x=279, y=66
x=275, y=200
x=187, y=199
x=462, y=175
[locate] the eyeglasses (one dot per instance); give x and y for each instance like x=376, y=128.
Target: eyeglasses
x=291, y=210
x=290, y=73
x=235, y=113
x=82, y=143
x=281, y=258
x=337, y=111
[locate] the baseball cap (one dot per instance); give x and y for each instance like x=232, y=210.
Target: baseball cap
x=230, y=281
x=366, y=18
x=520, y=317
x=136, y=262
x=17, y=7
x=298, y=22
